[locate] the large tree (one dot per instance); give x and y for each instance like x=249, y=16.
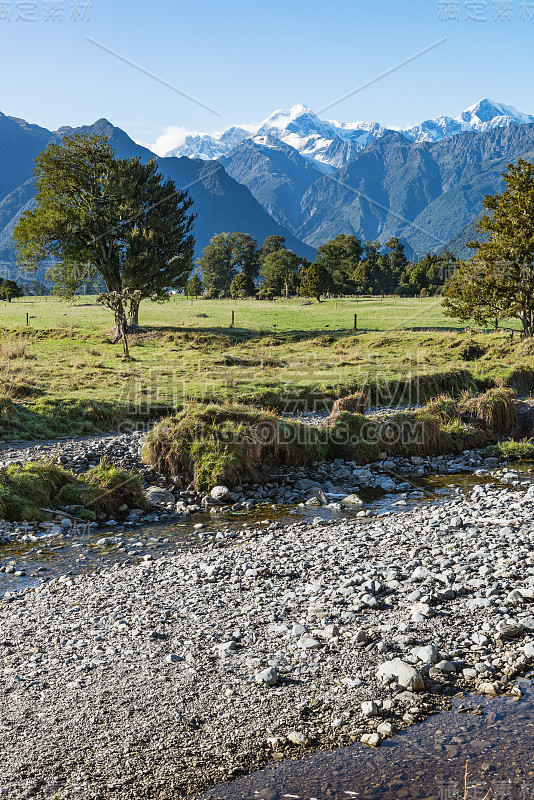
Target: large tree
x=272, y=244
x=10, y=289
x=159, y=243
x=340, y=257
x=280, y=271
x=316, y=280
x=101, y=217
x=226, y=255
x=498, y=282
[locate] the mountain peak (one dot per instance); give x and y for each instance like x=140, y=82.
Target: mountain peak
x=486, y=110
x=331, y=144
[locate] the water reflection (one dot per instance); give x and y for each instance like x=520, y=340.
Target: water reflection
x=426, y=762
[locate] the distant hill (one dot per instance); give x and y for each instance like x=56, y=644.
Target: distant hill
x=220, y=202
x=429, y=194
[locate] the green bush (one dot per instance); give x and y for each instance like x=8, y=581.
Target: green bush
x=214, y=444
x=26, y=490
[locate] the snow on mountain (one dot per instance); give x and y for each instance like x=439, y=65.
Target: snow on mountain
x=212, y=146
x=330, y=144
x=482, y=116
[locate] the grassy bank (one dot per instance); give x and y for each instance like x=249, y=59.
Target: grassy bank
x=55, y=384
x=26, y=490
x=62, y=376
x=213, y=444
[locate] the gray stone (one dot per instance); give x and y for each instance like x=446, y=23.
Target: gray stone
x=428, y=654
x=267, y=676
x=307, y=643
x=406, y=675
x=371, y=739
x=369, y=708
x=352, y=500
x=158, y=496
x=385, y=729
x=220, y=493
x=298, y=738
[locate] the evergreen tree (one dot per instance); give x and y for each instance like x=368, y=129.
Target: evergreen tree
x=371, y=273
x=272, y=244
x=216, y=265
x=242, y=286
x=397, y=262
x=98, y=216
x=498, y=281
x=341, y=257
x=315, y=281
x=245, y=258
x=9, y=290
x=226, y=255
x=194, y=286
x=280, y=272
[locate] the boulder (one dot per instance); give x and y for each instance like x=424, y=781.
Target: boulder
x=220, y=493
x=267, y=676
x=405, y=675
x=158, y=496
x=352, y=500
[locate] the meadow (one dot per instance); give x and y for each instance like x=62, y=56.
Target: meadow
x=62, y=375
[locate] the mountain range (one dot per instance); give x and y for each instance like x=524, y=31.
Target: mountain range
x=220, y=202
x=331, y=144
x=299, y=178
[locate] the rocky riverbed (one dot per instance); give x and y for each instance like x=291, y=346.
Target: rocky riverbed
x=332, y=486
x=163, y=677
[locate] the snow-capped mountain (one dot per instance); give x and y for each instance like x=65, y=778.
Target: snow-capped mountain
x=331, y=144
x=481, y=117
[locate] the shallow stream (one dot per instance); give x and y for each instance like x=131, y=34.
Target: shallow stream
x=493, y=737
x=76, y=553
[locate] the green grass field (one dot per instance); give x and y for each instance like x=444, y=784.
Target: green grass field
x=374, y=314
x=56, y=370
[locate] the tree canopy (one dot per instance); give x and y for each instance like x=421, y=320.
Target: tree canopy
x=498, y=281
x=10, y=289
x=102, y=216
x=227, y=255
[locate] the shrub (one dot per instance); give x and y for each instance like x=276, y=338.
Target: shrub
x=225, y=443
x=26, y=490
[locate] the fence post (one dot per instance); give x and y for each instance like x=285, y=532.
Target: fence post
x=355, y=322
x=27, y=318
x=233, y=319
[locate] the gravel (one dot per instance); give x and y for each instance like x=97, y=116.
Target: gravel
x=164, y=677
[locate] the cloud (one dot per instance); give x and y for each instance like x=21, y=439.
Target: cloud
x=174, y=135
x=171, y=137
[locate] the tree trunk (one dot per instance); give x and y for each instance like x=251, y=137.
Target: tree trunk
x=134, y=314
x=526, y=320
x=121, y=328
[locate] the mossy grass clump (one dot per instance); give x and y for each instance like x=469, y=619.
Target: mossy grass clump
x=111, y=487
x=49, y=418
x=26, y=490
x=494, y=410
x=228, y=443
x=522, y=450
x=353, y=403
x=225, y=443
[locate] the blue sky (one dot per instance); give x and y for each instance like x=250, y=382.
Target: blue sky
x=245, y=59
